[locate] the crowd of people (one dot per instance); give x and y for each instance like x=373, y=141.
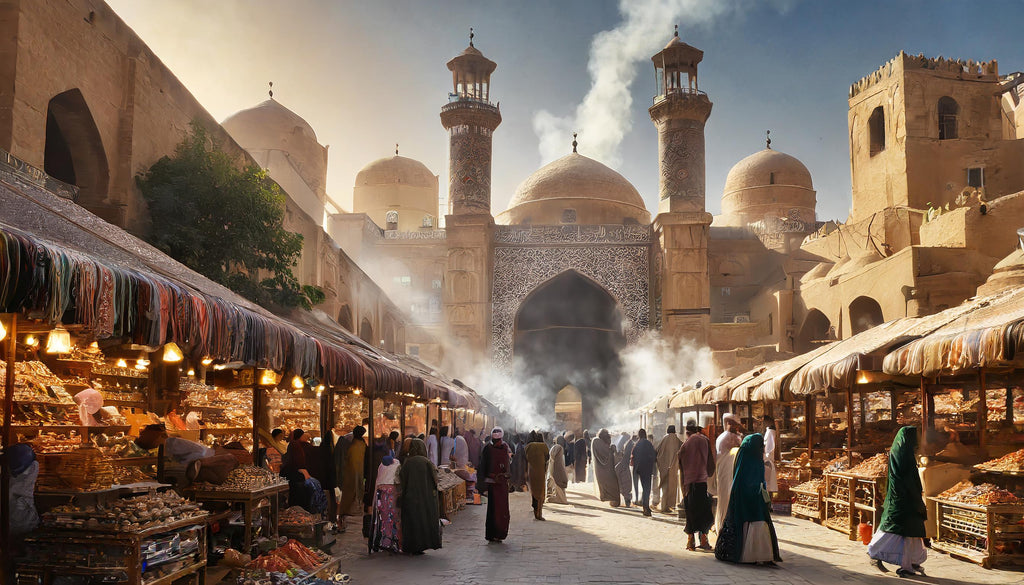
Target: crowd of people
x=720, y=484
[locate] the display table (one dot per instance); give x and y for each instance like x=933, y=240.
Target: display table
x=451, y=493
x=157, y=556
x=986, y=535
x=849, y=500
x=249, y=502
x=807, y=503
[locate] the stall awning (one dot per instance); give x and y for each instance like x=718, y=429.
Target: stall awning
x=769, y=385
x=687, y=397
x=735, y=389
x=983, y=332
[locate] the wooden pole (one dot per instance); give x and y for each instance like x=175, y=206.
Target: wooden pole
x=401, y=423
x=11, y=323
x=849, y=426
x=809, y=414
x=256, y=411
x=982, y=410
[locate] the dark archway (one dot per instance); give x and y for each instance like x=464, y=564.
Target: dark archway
x=949, y=110
x=569, y=331
x=815, y=330
x=345, y=317
x=366, y=332
x=74, y=151
x=865, y=313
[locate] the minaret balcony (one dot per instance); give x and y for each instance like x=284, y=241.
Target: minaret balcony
x=679, y=91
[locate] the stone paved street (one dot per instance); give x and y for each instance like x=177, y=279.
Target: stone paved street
x=587, y=542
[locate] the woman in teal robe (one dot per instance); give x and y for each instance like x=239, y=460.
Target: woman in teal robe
x=417, y=498
x=748, y=535
x=899, y=539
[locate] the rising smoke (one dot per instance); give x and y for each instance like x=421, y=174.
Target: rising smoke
x=603, y=116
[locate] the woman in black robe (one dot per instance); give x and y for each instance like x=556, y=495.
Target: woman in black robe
x=517, y=469
x=417, y=498
x=580, y=460
x=494, y=466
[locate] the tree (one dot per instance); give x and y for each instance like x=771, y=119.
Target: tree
x=225, y=222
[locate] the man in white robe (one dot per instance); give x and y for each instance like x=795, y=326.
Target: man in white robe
x=725, y=453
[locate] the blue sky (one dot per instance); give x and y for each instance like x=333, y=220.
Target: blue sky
x=368, y=74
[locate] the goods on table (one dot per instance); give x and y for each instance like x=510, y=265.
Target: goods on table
x=1013, y=463
x=815, y=485
x=800, y=461
x=841, y=463
x=244, y=478
x=877, y=466
x=127, y=474
x=297, y=516
x=34, y=382
x=292, y=556
x=83, y=469
x=55, y=443
x=125, y=515
x=986, y=494
x=289, y=411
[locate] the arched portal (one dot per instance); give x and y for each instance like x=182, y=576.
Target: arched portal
x=568, y=331
x=569, y=409
x=815, y=330
x=74, y=151
x=865, y=313
x=366, y=332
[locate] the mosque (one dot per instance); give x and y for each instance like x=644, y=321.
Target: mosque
x=576, y=267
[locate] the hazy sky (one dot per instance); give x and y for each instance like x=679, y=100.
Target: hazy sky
x=368, y=74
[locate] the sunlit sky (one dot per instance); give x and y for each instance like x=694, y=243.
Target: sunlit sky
x=368, y=74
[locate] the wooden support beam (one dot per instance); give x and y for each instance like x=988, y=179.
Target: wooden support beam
x=10, y=322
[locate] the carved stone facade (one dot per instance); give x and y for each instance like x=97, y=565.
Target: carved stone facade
x=470, y=169
x=680, y=120
x=616, y=257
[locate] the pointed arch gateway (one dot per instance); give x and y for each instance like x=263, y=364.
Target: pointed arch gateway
x=74, y=152
x=568, y=331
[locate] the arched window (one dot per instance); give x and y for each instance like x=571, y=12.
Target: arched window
x=815, y=330
x=948, y=112
x=865, y=313
x=876, y=130
x=345, y=317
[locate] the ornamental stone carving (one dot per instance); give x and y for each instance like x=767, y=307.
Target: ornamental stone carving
x=573, y=234
x=623, y=271
x=470, y=171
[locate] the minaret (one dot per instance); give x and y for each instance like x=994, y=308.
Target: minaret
x=470, y=119
x=679, y=112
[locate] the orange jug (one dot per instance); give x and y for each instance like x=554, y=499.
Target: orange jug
x=865, y=532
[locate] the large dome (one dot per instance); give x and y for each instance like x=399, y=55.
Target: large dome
x=396, y=170
x=270, y=118
x=593, y=192
x=768, y=167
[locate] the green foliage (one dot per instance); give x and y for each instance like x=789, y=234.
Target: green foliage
x=225, y=222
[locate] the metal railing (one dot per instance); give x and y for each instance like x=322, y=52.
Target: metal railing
x=454, y=98
x=684, y=91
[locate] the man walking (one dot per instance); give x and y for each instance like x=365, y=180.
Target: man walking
x=668, y=464
x=644, y=459
x=696, y=463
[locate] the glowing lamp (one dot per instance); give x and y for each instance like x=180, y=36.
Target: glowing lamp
x=357, y=391
x=3, y=331
x=191, y=372
x=320, y=388
x=218, y=367
x=298, y=383
x=142, y=362
x=121, y=363
x=268, y=378
x=207, y=361
x=172, y=353
x=58, y=341
x=30, y=340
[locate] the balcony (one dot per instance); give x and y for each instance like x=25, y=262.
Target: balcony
x=683, y=91
x=456, y=100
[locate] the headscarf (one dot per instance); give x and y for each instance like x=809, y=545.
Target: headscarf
x=89, y=402
x=497, y=433
x=20, y=457
x=404, y=451
x=904, y=511
x=605, y=436
x=417, y=448
x=387, y=460
x=730, y=417
x=556, y=466
x=745, y=501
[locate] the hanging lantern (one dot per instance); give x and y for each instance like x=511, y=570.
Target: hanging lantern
x=207, y=361
x=30, y=340
x=268, y=378
x=172, y=353
x=3, y=331
x=121, y=363
x=357, y=391
x=191, y=373
x=298, y=383
x=58, y=341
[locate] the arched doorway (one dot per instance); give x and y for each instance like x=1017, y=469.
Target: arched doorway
x=73, y=152
x=568, y=331
x=345, y=317
x=569, y=409
x=865, y=313
x=815, y=330
x=366, y=332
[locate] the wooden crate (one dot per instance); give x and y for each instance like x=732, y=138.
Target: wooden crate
x=807, y=504
x=987, y=535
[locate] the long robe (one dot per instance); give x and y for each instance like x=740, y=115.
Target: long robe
x=668, y=472
x=721, y=485
x=352, y=480
x=579, y=460
x=623, y=473
x=771, y=480
x=558, y=479
x=695, y=457
x=899, y=539
x=604, y=469
x=537, y=462
x=417, y=494
x=517, y=468
x=748, y=534
x=494, y=463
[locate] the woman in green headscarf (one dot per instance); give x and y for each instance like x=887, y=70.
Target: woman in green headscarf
x=899, y=539
x=748, y=535
x=417, y=499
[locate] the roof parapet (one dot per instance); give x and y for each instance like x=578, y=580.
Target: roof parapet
x=981, y=70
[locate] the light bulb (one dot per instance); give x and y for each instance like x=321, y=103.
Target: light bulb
x=191, y=372
x=172, y=353
x=268, y=378
x=58, y=341
x=357, y=391
x=142, y=362
x=3, y=331
x=30, y=340
x=207, y=361
x=121, y=363
x=298, y=383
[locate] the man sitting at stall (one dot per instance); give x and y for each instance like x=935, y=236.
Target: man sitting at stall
x=463, y=468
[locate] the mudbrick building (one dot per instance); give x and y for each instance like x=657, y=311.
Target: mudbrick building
x=576, y=267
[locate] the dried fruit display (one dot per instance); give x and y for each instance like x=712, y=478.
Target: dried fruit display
x=296, y=516
x=815, y=485
x=877, y=466
x=124, y=515
x=244, y=478
x=986, y=494
x=1013, y=463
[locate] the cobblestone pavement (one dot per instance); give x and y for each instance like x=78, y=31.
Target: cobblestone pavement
x=587, y=542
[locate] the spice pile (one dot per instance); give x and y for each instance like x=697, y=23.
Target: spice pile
x=290, y=557
x=1013, y=463
x=815, y=485
x=125, y=515
x=244, y=478
x=985, y=494
x=877, y=466
x=297, y=516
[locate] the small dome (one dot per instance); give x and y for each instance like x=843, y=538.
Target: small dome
x=271, y=118
x=396, y=170
x=757, y=171
x=576, y=177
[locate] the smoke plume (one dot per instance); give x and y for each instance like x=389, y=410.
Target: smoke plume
x=603, y=117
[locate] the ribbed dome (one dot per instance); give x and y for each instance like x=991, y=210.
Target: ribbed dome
x=756, y=171
x=577, y=177
x=271, y=118
x=396, y=170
